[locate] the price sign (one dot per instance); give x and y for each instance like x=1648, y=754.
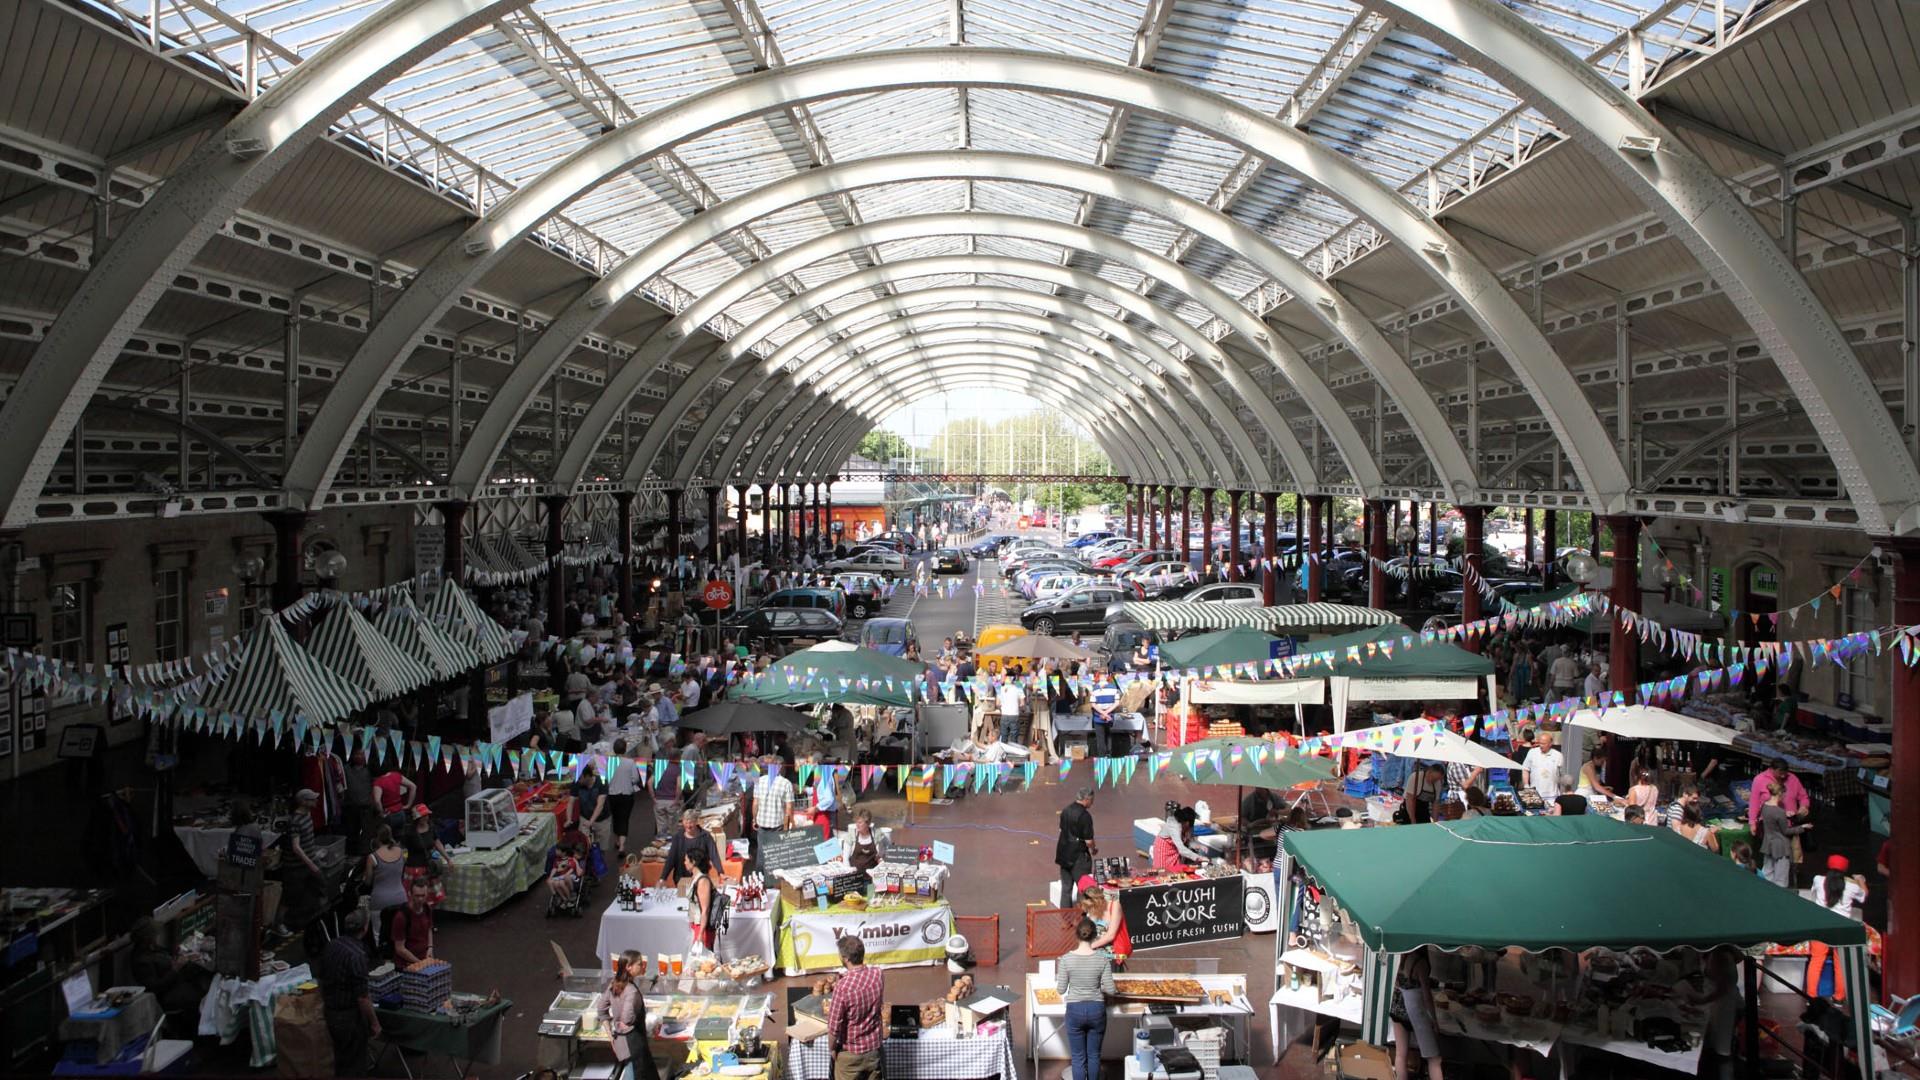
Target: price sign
x=789, y=850
x=717, y=595
x=1188, y=911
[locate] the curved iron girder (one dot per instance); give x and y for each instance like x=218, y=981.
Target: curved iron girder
x=709, y=431
x=891, y=272
x=1174, y=449
x=456, y=267
x=131, y=275
x=1133, y=446
x=189, y=425
x=804, y=441
x=1104, y=245
x=1759, y=278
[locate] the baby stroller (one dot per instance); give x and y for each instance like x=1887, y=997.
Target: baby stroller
x=574, y=901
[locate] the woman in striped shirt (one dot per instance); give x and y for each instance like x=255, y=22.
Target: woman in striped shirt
x=1085, y=978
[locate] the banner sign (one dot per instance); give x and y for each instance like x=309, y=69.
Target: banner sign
x=1180, y=914
x=512, y=719
x=810, y=939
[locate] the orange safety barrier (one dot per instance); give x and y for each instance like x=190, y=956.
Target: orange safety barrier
x=983, y=935
x=1050, y=930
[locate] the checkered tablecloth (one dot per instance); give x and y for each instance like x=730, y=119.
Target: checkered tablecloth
x=479, y=881
x=933, y=1056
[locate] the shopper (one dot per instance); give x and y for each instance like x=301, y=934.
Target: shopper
x=1842, y=895
x=624, y=1013
x=423, y=849
x=772, y=804
x=304, y=891
x=1793, y=796
x=1084, y=978
x=1012, y=700
x=1105, y=699
x=1543, y=766
x=1073, y=852
x=696, y=866
x=590, y=807
x=412, y=927
x=1645, y=794
x=1717, y=990
x=1693, y=828
x=1413, y=1021
x=856, y=1021
x=621, y=787
x=1777, y=831
x=691, y=837
x=386, y=876
x=394, y=792
x=341, y=971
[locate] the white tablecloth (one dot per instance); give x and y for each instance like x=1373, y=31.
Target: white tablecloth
x=663, y=929
x=231, y=1004
x=206, y=847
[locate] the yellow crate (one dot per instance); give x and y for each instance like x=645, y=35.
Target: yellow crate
x=920, y=791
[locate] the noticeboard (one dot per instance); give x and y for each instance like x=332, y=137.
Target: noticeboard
x=1159, y=916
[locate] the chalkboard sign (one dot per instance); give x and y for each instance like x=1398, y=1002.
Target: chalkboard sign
x=844, y=886
x=1181, y=914
x=789, y=850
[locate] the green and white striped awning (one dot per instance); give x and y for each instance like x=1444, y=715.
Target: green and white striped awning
x=349, y=646
x=416, y=635
x=274, y=675
x=1289, y=619
x=455, y=612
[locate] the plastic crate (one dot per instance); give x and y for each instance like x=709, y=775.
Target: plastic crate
x=427, y=988
x=1205, y=1046
x=380, y=988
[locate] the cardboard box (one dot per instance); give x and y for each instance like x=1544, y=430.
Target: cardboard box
x=1364, y=1061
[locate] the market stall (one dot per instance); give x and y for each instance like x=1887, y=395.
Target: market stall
x=964, y=1036
x=712, y=1028
x=653, y=922
x=1194, y=1000
x=835, y=672
x=1357, y=901
x=477, y=881
x=465, y=1031
x=276, y=677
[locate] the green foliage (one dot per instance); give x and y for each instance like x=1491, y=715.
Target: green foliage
x=1040, y=442
x=882, y=446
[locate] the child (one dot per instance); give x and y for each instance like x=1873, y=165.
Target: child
x=1742, y=856
x=564, y=877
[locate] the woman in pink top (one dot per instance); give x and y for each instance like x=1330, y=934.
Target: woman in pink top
x=1644, y=794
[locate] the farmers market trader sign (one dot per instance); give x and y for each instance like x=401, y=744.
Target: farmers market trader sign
x=1185, y=912
x=810, y=939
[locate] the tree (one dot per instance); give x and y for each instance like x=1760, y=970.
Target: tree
x=883, y=446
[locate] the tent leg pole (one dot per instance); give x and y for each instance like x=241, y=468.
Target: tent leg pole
x=1750, y=1052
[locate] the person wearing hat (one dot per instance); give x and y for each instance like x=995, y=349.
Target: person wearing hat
x=423, y=846
x=1841, y=894
x=341, y=971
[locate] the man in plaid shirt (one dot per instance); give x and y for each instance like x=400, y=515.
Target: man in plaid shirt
x=855, y=1024
x=772, y=804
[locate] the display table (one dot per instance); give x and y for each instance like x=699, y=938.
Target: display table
x=936, y=1055
x=1047, y=1021
x=479, y=881
x=464, y=1040
x=233, y=1004
x=662, y=928
x=207, y=847
x=112, y=1032
x=809, y=937
x=1290, y=1014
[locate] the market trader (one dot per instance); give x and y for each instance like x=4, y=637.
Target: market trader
x=1074, y=851
x=341, y=972
x=412, y=928
x=855, y=1022
x=1106, y=702
x=772, y=804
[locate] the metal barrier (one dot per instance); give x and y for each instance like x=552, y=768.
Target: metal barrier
x=983, y=935
x=1050, y=930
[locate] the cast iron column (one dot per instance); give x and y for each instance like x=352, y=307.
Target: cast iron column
x=713, y=524
x=829, y=500
x=287, y=527
x=1901, y=973
x=740, y=522
x=1471, y=551
x=1152, y=537
x=1376, y=554
x=1549, y=545
x=1206, y=528
x=556, y=508
x=1166, y=517
x=1623, y=671
x=1526, y=526
x=1316, y=548
x=623, y=506
x=1186, y=525
x=1270, y=576
x=1234, y=572
x=453, y=518
x=673, y=529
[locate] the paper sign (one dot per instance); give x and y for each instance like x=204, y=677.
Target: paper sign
x=826, y=851
x=943, y=852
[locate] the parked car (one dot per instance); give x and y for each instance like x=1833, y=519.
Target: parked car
x=824, y=599
x=890, y=636
x=1453, y=599
x=1236, y=593
x=1117, y=643
x=1139, y=558
x=1058, y=584
x=993, y=634
x=949, y=561
x=884, y=563
x=1088, y=539
x=1084, y=609
x=782, y=627
x=866, y=593
x=1152, y=579
x=988, y=546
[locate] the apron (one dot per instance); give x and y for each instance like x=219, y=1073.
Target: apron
x=866, y=854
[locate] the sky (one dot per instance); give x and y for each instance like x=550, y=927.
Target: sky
x=920, y=421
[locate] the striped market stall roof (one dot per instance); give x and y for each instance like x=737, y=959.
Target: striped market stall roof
x=417, y=636
x=275, y=675
x=348, y=645
x=1290, y=619
x=462, y=619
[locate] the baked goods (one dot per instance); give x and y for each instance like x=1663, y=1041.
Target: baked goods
x=1046, y=996
x=1162, y=988
x=962, y=987
x=932, y=1014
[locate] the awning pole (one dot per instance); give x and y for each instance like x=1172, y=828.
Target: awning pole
x=1750, y=1056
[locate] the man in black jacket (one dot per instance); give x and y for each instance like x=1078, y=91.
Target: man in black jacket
x=1073, y=854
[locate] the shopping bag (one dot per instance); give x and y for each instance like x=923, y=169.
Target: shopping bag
x=301, y=1042
x=596, y=862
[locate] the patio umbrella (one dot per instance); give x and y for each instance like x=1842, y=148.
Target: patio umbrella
x=745, y=717
x=1647, y=722
x=1035, y=647
x=1440, y=744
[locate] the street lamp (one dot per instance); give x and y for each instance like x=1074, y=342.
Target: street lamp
x=1580, y=568
x=329, y=565
x=1350, y=535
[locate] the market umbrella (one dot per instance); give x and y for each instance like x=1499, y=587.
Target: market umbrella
x=275, y=677
x=1648, y=722
x=743, y=718
x=1035, y=647
x=839, y=672
x=346, y=644
x=1221, y=648
x=1441, y=744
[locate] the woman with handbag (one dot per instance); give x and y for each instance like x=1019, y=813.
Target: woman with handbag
x=624, y=1014
x=697, y=867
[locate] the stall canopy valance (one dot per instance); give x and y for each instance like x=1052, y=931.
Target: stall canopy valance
x=1221, y=648
x=277, y=677
x=1417, y=885
x=349, y=646
x=839, y=673
x=1286, y=619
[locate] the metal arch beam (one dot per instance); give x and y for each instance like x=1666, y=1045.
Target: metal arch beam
x=218, y=177
x=1174, y=448
x=1102, y=244
x=433, y=290
x=1036, y=331
x=1134, y=449
x=190, y=425
x=890, y=272
x=1759, y=278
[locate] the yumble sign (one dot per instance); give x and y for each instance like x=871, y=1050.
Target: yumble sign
x=1159, y=916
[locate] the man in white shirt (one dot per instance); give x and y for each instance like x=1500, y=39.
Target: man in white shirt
x=1012, y=700
x=991, y=752
x=1544, y=766
x=1564, y=675
x=690, y=693
x=1595, y=685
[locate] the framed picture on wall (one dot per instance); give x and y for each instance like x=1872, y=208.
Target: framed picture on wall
x=27, y=743
x=119, y=645
x=36, y=712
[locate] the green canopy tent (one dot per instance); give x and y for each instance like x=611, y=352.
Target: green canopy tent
x=1221, y=648
x=1257, y=763
x=1298, y=619
x=456, y=613
x=416, y=635
x=346, y=644
x=1436, y=885
x=839, y=673
x=276, y=676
